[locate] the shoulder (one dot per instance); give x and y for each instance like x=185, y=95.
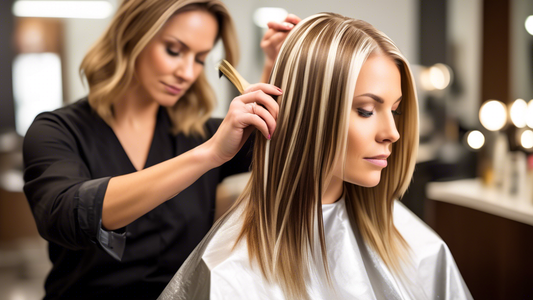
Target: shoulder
x=415, y=231
x=434, y=264
x=235, y=272
x=426, y=245
x=77, y=113
x=64, y=124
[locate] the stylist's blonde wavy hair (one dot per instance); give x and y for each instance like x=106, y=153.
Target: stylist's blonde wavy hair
x=317, y=69
x=110, y=64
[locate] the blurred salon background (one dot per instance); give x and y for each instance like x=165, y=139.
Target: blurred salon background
x=473, y=64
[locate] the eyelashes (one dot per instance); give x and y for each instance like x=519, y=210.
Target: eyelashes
x=396, y=112
x=172, y=53
x=366, y=114
x=177, y=53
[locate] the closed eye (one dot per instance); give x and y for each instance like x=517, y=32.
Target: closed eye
x=364, y=113
x=173, y=53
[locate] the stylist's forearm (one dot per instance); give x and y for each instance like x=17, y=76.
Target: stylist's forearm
x=130, y=196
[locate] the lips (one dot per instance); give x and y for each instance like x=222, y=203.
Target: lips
x=172, y=89
x=379, y=160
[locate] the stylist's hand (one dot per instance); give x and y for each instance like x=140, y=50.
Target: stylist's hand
x=275, y=36
x=254, y=109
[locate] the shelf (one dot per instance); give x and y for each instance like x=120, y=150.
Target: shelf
x=473, y=194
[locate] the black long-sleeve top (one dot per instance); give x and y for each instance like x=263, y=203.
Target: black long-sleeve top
x=69, y=156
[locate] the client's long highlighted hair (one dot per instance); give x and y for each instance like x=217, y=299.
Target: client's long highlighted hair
x=317, y=69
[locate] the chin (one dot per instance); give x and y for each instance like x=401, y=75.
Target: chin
x=168, y=100
x=367, y=180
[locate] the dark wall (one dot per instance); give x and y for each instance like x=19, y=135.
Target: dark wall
x=7, y=113
x=432, y=30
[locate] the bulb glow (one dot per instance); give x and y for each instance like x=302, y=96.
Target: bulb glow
x=63, y=9
x=519, y=113
x=439, y=75
x=475, y=139
x=436, y=77
x=493, y=115
x=263, y=15
x=529, y=24
x=529, y=114
x=527, y=139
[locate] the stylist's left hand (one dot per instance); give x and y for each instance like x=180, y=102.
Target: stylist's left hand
x=275, y=36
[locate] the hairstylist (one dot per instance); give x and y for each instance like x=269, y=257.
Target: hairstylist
x=122, y=183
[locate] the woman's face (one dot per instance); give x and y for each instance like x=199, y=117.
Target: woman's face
x=175, y=57
x=372, y=128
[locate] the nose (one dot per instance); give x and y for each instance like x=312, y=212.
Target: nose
x=185, y=69
x=388, y=133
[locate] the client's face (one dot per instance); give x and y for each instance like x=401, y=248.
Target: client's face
x=174, y=58
x=372, y=128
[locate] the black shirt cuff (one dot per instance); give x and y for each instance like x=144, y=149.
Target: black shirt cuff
x=90, y=200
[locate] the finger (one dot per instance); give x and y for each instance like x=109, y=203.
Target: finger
x=294, y=19
x=280, y=26
x=278, y=38
x=262, y=99
x=265, y=87
x=246, y=134
x=268, y=34
x=263, y=114
x=256, y=121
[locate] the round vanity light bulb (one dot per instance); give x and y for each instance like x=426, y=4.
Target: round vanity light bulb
x=529, y=24
x=475, y=139
x=440, y=76
x=529, y=114
x=493, y=115
x=527, y=139
x=519, y=113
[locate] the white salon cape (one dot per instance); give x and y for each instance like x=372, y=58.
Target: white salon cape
x=216, y=271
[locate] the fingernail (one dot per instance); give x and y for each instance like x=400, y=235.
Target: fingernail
x=269, y=136
x=279, y=90
x=290, y=25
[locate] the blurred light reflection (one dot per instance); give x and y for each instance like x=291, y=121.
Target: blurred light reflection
x=36, y=87
x=529, y=24
x=527, y=139
x=263, y=15
x=519, y=113
x=493, y=115
x=475, y=139
x=63, y=9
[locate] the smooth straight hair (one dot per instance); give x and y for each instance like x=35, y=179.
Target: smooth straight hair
x=109, y=66
x=317, y=69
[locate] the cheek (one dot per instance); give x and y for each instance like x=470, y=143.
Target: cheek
x=198, y=68
x=161, y=62
x=360, y=139
x=154, y=62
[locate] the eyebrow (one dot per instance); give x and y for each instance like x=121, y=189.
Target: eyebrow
x=187, y=47
x=377, y=98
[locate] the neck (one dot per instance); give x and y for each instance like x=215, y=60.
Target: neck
x=333, y=191
x=135, y=109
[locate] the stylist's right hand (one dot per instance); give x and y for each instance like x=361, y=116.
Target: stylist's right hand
x=254, y=109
